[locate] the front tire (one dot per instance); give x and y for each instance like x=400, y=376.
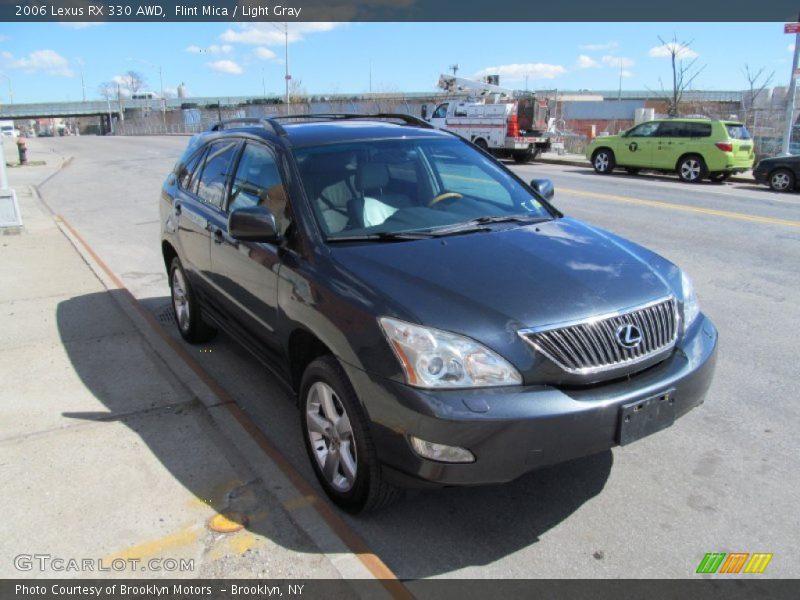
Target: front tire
x=781, y=180
x=338, y=441
x=188, y=315
x=692, y=169
x=603, y=161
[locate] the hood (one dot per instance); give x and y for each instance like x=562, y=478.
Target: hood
x=488, y=285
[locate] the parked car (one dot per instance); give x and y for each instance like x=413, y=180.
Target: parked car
x=695, y=149
x=439, y=320
x=780, y=172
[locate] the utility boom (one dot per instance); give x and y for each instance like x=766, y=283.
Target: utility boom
x=502, y=121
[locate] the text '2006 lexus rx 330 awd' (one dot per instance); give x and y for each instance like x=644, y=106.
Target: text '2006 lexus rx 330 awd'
x=439, y=320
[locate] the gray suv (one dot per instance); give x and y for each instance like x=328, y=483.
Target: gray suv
x=440, y=321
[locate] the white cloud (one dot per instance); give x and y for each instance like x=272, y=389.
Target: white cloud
x=618, y=62
x=265, y=53
x=587, y=62
x=626, y=74
x=212, y=49
x=226, y=66
x=666, y=50
x=265, y=34
x=518, y=72
x=45, y=61
x=598, y=47
x=790, y=47
x=80, y=24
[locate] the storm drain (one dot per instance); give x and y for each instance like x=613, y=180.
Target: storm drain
x=165, y=315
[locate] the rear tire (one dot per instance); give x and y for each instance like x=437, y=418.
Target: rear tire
x=188, y=315
x=781, y=180
x=692, y=169
x=338, y=442
x=523, y=157
x=603, y=161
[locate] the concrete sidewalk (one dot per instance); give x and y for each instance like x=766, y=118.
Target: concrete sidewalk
x=106, y=453
x=579, y=160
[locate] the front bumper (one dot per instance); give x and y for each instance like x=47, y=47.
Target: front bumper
x=514, y=430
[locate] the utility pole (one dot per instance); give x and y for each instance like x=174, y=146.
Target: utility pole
x=286, y=52
x=454, y=68
x=789, y=124
x=263, y=83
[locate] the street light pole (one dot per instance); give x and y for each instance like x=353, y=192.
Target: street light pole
x=10, y=89
x=789, y=124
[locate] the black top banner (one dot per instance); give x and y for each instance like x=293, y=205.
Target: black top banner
x=396, y=10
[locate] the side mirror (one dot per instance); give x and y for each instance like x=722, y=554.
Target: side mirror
x=423, y=111
x=544, y=187
x=253, y=224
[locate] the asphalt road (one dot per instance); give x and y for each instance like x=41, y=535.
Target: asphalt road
x=722, y=479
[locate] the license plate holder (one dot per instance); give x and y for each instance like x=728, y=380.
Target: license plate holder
x=647, y=416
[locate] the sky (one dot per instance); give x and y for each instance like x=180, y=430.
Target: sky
x=44, y=61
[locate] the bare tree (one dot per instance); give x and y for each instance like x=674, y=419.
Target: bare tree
x=683, y=72
x=134, y=81
x=297, y=92
x=107, y=90
x=757, y=85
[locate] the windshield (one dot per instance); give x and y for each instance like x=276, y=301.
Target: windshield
x=375, y=187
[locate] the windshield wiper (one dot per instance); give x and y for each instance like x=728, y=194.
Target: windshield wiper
x=479, y=224
x=383, y=236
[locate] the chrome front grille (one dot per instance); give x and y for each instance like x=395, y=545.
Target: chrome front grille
x=595, y=344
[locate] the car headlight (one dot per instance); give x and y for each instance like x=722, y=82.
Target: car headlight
x=690, y=306
x=432, y=358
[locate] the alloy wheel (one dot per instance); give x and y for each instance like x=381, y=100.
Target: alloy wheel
x=780, y=181
x=331, y=436
x=690, y=169
x=601, y=162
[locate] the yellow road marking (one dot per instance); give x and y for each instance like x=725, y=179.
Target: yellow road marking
x=683, y=208
x=173, y=541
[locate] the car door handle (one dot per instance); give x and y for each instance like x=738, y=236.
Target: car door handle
x=177, y=209
x=219, y=238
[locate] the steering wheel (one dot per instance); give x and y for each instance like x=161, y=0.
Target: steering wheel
x=444, y=196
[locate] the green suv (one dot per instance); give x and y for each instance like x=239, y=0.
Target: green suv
x=693, y=148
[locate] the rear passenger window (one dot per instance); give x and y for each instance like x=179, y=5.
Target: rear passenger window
x=213, y=181
x=670, y=129
x=258, y=183
x=697, y=129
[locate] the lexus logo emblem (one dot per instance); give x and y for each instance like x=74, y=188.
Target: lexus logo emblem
x=629, y=335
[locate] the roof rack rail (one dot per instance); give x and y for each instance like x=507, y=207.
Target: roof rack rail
x=267, y=123
x=407, y=119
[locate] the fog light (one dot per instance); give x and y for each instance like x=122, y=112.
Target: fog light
x=441, y=452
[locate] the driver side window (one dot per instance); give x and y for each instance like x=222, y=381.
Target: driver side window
x=258, y=183
x=645, y=129
x=440, y=112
